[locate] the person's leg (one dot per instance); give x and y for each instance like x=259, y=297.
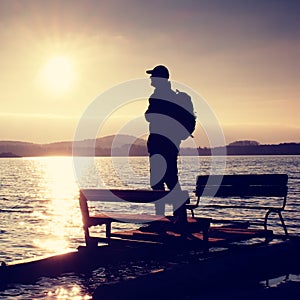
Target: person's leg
x=157, y=174
x=173, y=184
x=158, y=169
x=157, y=162
x=171, y=175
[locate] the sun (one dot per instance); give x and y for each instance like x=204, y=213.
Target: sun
x=58, y=74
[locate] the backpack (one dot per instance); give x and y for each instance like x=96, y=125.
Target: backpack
x=187, y=116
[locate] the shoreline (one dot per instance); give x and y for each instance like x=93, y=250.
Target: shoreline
x=126, y=156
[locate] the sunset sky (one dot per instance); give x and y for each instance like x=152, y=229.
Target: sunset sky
x=242, y=56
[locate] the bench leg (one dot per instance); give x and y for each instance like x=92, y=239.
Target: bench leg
x=205, y=240
x=283, y=224
x=266, y=219
x=280, y=217
x=88, y=240
x=193, y=215
x=205, y=231
x=108, y=231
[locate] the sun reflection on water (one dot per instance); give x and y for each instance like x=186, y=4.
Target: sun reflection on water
x=72, y=294
x=61, y=216
x=60, y=178
x=52, y=245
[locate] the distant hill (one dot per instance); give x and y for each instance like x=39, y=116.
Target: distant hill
x=124, y=145
x=259, y=149
x=21, y=148
x=244, y=143
x=8, y=154
x=120, y=144
x=116, y=145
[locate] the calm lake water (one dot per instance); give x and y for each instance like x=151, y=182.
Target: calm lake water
x=39, y=211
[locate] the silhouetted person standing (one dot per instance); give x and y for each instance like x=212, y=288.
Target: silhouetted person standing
x=164, y=114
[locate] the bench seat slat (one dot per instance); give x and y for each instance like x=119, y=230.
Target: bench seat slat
x=134, y=196
x=104, y=218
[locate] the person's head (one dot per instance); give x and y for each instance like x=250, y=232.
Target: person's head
x=159, y=75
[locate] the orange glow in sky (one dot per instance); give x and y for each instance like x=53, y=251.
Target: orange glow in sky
x=57, y=56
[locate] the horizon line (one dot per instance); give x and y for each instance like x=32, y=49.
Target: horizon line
x=111, y=135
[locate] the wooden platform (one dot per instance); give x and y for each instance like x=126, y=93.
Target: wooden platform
x=130, y=245
x=201, y=278
x=192, y=236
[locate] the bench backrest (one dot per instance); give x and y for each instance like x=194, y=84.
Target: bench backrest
x=258, y=185
x=132, y=196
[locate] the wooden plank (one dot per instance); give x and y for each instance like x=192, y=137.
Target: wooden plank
x=165, y=238
x=104, y=218
x=157, y=222
x=127, y=240
x=216, y=235
x=243, y=179
x=131, y=232
x=230, y=234
x=142, y=236
x=136, y=196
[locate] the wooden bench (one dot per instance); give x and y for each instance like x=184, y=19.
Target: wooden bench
x=243, y=191
x=158, y=198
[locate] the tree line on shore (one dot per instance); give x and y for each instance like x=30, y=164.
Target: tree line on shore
x=131, y=146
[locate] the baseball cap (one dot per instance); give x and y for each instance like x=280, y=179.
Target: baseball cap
x=159, y=71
